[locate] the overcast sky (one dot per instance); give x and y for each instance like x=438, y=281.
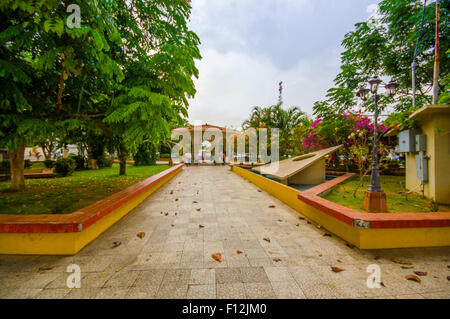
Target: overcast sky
x=249, y=46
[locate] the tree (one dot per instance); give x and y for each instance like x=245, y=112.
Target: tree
x=386, y=45
x=276, y=117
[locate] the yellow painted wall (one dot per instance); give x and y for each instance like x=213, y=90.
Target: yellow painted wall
x=361, y=238
x=437, y=129
x=71, y=243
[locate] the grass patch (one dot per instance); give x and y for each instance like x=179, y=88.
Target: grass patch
x=393, y=186
x=65, y=195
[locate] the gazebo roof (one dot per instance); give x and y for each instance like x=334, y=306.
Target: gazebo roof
x=205, y=127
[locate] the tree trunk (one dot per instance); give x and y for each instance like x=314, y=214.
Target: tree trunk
x=123, y=164
x=17, y=168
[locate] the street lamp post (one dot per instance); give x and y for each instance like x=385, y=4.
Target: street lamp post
x=375, y=197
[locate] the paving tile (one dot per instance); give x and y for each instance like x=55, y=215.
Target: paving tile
x=230, y=291
x=201, y=291
x=278, y=274
x=254, y=275
x=228, y=275
x=259, y=291
x=287, y=290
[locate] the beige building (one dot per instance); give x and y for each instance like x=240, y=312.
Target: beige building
x=428, y=153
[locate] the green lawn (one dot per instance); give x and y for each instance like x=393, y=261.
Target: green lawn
x=63, y=195
x=393, y=186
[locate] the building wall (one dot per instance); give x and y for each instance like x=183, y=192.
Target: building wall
x=437, y=129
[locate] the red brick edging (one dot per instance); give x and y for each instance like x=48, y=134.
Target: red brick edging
x=83, y=218
x=369, y=220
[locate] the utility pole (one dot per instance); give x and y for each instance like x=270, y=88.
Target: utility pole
x=436, y=55
x=280, y=97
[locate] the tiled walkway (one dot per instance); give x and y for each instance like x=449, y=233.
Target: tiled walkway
x=205, y=210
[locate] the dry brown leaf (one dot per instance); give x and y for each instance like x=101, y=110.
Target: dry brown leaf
x=297, y=225
x=338, y=260
x=401, y=262
x=349, y=245
x=239, y=252
x=336, y=269
x=327, y=235
x=166, y=214
x=43, y=268
x=201, y=226
x=217, y=256
x=194, y=202
x=267, y=239
x=260, y=191
x=272, y=206
x=448, y=278
x=172, y=225
x=301, y=218
x=116, y=244
x=176, y=199
x=280, y=220
x=141, y=234
x=382, y=284
x=276, y=260
x=413, y=278
x=308, y=222
x=171, y=192
x=421, y=273
x=199, y=209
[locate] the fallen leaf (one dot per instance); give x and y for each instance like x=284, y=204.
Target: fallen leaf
x=297, y=225
x=377, y=257
x=267, y=239
x=407, y=267
x=382, y=284
x=448, y=278
x=413, y=278
x=239, y=252
x=338, y=260
x=194, y=202
x=260, y=191
x=172, y=225
x=349, y=245
x=141, y=234
x=116, y=244
x=43, y=268
x=327, y=235
x=198, y=209
x=201, y=226
x=272, y=206
x=176, y=199
x=336, y=269
x=171, y=192
x=280, y=220
x=402, y=262
x=308, y=222
x=421, y=273
x=276, y=260
x=217, y=256
x=166, y=214
x=301, y=218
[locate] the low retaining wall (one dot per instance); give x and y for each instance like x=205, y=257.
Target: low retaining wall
x=364, y=230
x=66, y=234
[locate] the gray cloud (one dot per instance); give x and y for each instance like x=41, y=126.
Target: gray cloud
x=248, y=46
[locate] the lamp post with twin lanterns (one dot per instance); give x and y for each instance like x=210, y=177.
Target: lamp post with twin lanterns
x=375, y=197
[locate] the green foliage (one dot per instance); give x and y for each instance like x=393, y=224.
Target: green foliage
x=49, y=163
x=80, y=163
x=27, y=163
x=65, y=166
x=5, y=167
x=146, y=155
x=105, y=161
x=386, y=46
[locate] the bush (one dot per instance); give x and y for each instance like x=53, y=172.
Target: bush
x=27, y=164
x=165, y=155
x=79, y=161
x=5, y=167
x=146, y=155
x=65, y=166
x=105, y=161
x=49, y=163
